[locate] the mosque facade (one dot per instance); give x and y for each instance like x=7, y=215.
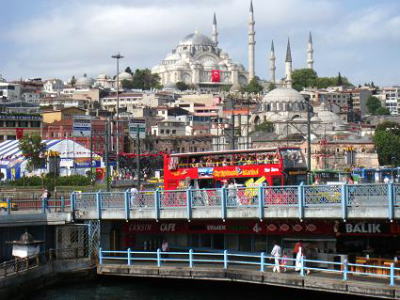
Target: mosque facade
x=197, y=60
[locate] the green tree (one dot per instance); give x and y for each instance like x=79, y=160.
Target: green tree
x=73, y=80
x=339, y=80
x=128, y=70
x=253, y=87
x=264, y=126
x=143, y=79
x=303, y=78
x=180, y=85
x=387, y=143
x=33, y=149
x=382, y=111
x=373, y=105
x=127, y=84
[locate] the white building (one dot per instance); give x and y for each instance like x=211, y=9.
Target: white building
x=53, y=86
x=10, y=92
x=198, y=60
x=391, y=97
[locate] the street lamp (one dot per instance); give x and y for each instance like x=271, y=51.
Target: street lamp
x=308, y=103
x=117, y=57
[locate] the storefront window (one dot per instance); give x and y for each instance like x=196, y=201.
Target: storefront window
x=245, y=243
x=205, y=241
x=218, y=241
x=260, y=243
x=232, y=242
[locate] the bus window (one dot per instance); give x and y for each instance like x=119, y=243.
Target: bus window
x=277, y=180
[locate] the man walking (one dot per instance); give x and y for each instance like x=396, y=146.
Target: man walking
x=277, y=254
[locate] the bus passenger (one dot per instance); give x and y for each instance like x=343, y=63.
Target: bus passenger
x=209, y=162
x=194, y=163
x=232, y=193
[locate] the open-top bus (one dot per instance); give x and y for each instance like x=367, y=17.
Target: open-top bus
x=278, y=166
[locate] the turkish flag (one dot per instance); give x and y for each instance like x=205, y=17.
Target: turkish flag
x=19, y=133
x=215, y=76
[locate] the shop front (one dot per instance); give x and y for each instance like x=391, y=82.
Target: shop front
x=233, y=235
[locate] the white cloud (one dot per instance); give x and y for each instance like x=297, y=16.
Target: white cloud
x=79, y=37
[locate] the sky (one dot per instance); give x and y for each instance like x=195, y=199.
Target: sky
x=61, y=38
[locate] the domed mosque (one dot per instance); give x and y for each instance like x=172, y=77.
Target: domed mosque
x=287, y=109
x=198, y=60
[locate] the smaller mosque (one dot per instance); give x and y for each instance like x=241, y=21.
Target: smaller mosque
x=197, y=60
x=287, y=109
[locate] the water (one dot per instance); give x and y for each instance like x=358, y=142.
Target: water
x=120, y=288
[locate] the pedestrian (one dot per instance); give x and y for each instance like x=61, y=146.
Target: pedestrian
x=165, y=247
x=45, y=199
x=134, y=194
x=232, y=191
x=296, y=248
x=299, y=256
x=284, y=261
x=277, y=254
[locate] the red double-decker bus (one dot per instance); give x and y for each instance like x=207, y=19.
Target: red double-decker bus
x=278, y=166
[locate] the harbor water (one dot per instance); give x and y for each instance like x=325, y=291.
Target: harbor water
x=118, y=288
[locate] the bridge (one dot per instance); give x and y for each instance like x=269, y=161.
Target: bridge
x=328, y=276
x=341, y=201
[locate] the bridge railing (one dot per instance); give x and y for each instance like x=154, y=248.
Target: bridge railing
x=261, y=262
x=304, y=197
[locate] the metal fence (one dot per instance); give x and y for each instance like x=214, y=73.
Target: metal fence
x=18, y=265
x=288, y=195
x=252, y=261
x=305, y=197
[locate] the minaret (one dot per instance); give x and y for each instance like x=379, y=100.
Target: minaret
x=252, y=42
x=272, y=67
x=288, y=66
x=215, y=31
x=310, y=52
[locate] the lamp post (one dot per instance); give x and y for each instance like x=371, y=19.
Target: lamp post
x=308, y=133
x=117, y=57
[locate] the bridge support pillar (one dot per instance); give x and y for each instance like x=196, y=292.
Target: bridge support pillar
x=225, y=259
x=390, y=198
x=343, y=200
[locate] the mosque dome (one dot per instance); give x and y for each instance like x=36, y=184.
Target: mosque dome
x=102, y=76
x=327, y=116
x=125, y=76
x=197, y=38
x=283, y=95
x=85, y=82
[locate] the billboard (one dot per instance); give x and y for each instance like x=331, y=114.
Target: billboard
x=135, y=126
x=82, y=126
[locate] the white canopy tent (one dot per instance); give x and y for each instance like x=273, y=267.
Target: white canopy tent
x=75, y=159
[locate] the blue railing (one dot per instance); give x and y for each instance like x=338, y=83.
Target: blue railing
x=15, y=205
x=251, y=261
x=302, y=197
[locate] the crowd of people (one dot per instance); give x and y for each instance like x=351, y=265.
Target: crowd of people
x=231, y=160
x=281, y=258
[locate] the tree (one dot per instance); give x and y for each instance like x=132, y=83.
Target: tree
x=302, y=78
x=382, y=111
x=180, y=85
x=264, y=126
x=127, y=84
x=253, y=87
x=128, y=70
x=73, y=81
x=339, y=80
x=143, y=79
x=374, y=106
x=387, y=143
x=33, y=149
